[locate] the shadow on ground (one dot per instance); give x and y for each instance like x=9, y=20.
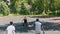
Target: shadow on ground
x=21, y=28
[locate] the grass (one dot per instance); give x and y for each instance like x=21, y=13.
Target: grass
x=12, y=15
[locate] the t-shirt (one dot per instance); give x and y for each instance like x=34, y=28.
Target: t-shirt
x=38, y=27
x=10, y=29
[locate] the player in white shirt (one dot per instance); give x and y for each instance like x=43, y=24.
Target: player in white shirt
x=38, y=26
x=10, y=29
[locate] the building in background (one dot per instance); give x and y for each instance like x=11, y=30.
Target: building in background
x=8, y=2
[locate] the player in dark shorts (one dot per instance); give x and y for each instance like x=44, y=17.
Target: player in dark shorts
x=25, y=24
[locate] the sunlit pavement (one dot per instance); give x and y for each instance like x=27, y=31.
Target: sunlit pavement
x=16, y=19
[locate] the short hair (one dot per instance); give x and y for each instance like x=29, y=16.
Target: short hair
x=37, y=19
x=11, y=23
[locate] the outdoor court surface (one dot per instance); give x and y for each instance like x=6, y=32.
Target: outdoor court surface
x=46, y=32
x=6, y=20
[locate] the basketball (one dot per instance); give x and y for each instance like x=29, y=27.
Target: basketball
x=29, y=26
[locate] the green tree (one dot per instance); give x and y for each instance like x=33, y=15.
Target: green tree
x=23, y=10
x=52, y=7
x=5, y=9
x=39, y=6
x=12, y=7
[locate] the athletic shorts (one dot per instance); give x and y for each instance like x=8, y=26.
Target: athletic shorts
x=38, y=33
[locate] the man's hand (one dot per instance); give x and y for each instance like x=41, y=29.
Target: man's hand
x=13, y=32
x=6, y=31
